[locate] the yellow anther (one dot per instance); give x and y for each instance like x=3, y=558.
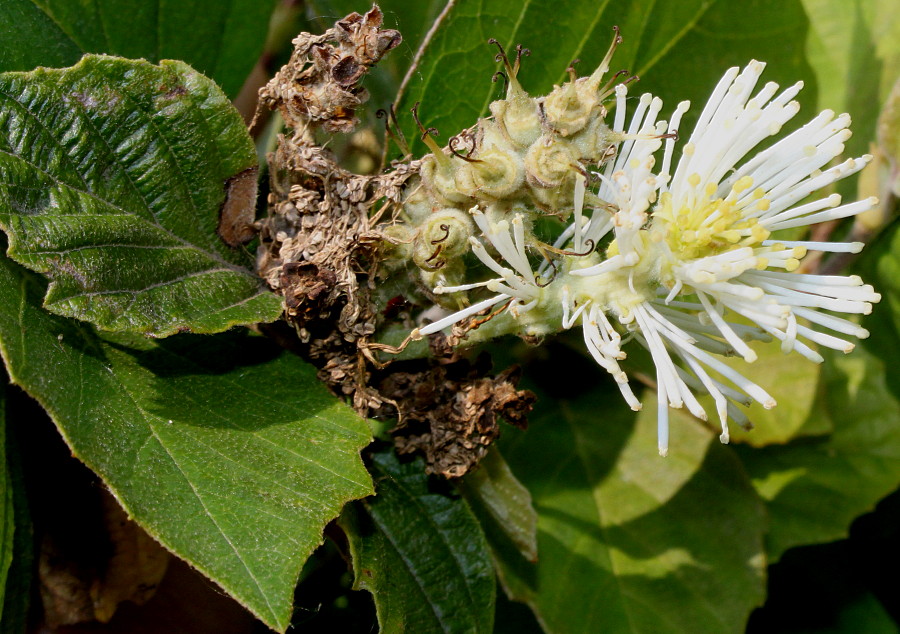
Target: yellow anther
x=694, y=179
x=744, y=183
x=760, y=233
x=732, y=235
x=799, y=252
x=758, y=193
x=710, y=189
x=791, y=265
x=762, y=264
x=763, y=205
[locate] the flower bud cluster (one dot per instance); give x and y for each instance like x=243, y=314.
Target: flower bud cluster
x=522, y=161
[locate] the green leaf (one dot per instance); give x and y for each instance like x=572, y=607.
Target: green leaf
x=792, y=381
x=112, y=174
x=679, y=49
x=420, y=552
x=15, y=594
x=864, y=613
x=220, y=38
x=7, y=509
x=225, y=449
x=889, y=142
x=502, y=503
x=854, y=49
x=814, y=487
x=662, y=544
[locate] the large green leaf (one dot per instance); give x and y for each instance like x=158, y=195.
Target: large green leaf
x=225, y=449
x=679, y=49
x=420, y=552
x=854, y=48
x=221, y=38
x=7, y=509
x=792, y=381
x=502, y=504
x=15, y=593
x=629, y=541
x=112, y=174
x=814, y=487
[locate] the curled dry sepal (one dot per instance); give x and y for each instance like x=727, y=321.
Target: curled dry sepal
x=322, y=249
x=320, y=83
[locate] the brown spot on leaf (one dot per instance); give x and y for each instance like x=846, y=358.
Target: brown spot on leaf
x=174, y=92
x=238, y=211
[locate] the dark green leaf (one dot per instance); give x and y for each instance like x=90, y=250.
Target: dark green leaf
x=225, y=449
x=220, y=38
x=421, y=553
x=629, y=541
x=112, y=174
x=7, y=509
x=16, y=594
x=501, y=503
x=30, y=38
x=854, y=48
x=792, y=382
x=815, y=487
x=679, y=49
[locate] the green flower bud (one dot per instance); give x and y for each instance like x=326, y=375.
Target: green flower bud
x=496, y=170
x=438, y=175
x=397, y=245
x=520, y=118
x=551, y=162
x=574, y=104
x=443, y=238
x=570, y=107
x=594, y=142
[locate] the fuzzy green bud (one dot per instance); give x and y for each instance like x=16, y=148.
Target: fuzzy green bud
x=497, y=170
x=442, y=238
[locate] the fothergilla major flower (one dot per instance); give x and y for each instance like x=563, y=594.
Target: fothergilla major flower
x=683, y=255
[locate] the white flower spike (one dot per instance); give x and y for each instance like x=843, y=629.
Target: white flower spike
x=671, y=257
x=708, y=248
